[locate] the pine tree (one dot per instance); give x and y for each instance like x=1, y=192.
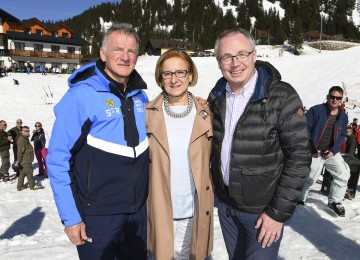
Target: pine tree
x=296, y=38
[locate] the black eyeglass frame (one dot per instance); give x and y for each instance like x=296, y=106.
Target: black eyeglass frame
x=335, y=97
x=176, y=72
x=244, y=56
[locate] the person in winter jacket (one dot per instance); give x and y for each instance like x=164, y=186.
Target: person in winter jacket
x=260, y=151
x=357, y=138
x=5, y=140
x=40, y=139
x=181, y=199
x=25, y=157
x=350, y=141
x=15, y=133
x=98, y=159
x=327, y=125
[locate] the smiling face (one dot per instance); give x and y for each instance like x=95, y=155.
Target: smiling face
x=237, y=73
x=176, y=87
x=119, y=55
x=334, y=99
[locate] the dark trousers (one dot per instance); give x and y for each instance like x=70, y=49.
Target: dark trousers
x=5, y=162
x=240, y=236
x=115, y=237
x=26, y=171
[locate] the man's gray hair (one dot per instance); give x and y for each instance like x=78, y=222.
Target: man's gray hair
x=125, y=28
x=234, y=31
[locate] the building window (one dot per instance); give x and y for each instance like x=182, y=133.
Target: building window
x=55, y=34
x=19, y=46
x=1, y=63
x=38, y=47
x=39, y=32
x=55, y=48
x=65, y=35
x=21, y=64
x=27, y=30
x=71, y=50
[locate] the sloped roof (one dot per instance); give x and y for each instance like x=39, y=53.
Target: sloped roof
x=59, y=25
x=24, y=22
x=5, y=16
x=314, y=34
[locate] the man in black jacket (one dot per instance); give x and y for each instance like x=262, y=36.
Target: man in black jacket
x=261, y=153
x=5, y=140
x=16, y=133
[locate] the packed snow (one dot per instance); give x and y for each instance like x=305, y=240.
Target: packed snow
x=31, y=229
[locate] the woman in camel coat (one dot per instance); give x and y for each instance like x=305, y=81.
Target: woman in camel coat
x=171, y=134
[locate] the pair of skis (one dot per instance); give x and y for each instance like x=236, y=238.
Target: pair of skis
x=49, y=96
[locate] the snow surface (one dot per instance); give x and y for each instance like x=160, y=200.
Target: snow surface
x=30, y=227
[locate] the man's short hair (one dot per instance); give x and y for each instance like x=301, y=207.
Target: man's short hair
x=234, y=31
x=25, y=127
x=125, y=28
x=336, y=88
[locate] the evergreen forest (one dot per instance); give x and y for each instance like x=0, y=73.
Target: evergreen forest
x=202, y=20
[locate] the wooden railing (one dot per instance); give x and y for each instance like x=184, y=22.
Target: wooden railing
x=45, y=54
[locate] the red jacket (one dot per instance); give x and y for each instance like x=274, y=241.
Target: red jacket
x=357, y=134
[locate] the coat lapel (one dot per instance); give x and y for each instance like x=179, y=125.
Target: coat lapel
x=155, y=122
x=202, y=122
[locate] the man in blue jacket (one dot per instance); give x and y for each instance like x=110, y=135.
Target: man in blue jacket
x=98, y=153
x=327, y=131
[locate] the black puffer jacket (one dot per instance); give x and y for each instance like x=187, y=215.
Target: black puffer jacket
x=39, y=139
x=4, y=141
x=270, y=153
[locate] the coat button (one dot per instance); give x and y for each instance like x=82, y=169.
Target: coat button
x=207, y=213
x=207, y=188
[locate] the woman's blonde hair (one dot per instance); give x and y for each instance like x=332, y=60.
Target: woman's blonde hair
x=173, y=53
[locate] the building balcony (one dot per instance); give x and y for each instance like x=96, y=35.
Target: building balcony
x=4, y=52
x=45, y=54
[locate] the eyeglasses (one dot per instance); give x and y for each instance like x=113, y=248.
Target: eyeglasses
x=178, y=74
x=19, y=122
x=26, y=130
x=335, y=97
x=4, y=124
x=37, y=125
x=228, y=59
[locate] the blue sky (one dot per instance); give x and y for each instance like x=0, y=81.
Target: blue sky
x=48, y=9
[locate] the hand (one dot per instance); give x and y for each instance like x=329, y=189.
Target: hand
x=270, y=230
x=76, y=233
x=202, y=101
x=9, y=138
x=327, y=154
x=315, y=155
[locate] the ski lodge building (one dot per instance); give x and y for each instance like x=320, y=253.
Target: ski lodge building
x=31, y=42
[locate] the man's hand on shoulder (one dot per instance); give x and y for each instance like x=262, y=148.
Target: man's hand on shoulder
x=270, y=230
x=76, y=233
x=202, y=101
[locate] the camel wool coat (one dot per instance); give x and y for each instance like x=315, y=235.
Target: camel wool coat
x=160, y=213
